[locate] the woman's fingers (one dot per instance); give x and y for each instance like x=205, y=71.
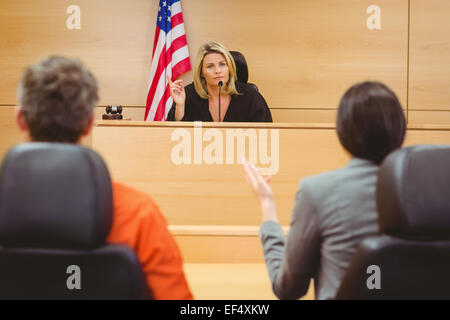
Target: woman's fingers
x=253, y=176
x=178, y=87
x=257, y=173
x=250, y=176
x=168, y=79
x=175, y=85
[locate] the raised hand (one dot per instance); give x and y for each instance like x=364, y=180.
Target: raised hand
x=262, y=190
x=177, y=91
x=259, y=185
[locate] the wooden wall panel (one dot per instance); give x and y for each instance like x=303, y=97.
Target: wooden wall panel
x=9, y=132
x=220, y=249
x=304, y=115
x=302, y=55
x=232, y=282
x=429, y=75
x=289, y=115
x=219, y=244
x=278, y=115
x=217, y=194
x=305, y=54
x=115, y=41
x=429, y=117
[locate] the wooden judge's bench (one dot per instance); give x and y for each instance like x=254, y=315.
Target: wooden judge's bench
x=210, y=208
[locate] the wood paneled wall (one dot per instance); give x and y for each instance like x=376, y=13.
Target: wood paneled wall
x=302, y=55
x=429, y=71
x=139, y=154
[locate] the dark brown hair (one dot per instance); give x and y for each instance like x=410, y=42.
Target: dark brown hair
x=370, y=121
x=57, y=97
x=241, y=66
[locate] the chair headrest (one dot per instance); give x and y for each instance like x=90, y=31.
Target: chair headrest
x=413, y=193
x=54, y=195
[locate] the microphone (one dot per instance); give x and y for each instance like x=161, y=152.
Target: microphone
x=220, y=84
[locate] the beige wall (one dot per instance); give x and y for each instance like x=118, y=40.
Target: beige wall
x=139, y=154
x=429, y=74
x=302, y=55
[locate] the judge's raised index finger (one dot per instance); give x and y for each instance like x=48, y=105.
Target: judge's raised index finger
x=168, y=79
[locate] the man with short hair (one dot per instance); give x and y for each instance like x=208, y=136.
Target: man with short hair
x=57, y=97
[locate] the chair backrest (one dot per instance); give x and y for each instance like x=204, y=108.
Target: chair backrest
x=411, y=257
x=56, y=211
x=241, y=66
x=242, y=74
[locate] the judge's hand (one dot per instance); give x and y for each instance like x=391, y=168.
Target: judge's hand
x=177, y=91
x=262, y=191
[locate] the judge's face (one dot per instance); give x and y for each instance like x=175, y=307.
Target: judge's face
x=215, y=69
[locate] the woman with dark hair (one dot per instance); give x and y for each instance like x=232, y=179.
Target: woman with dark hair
x=334, y=210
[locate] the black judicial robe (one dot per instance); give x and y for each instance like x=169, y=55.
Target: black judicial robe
x=248, y=106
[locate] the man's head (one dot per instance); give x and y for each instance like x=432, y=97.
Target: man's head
x=57, y=97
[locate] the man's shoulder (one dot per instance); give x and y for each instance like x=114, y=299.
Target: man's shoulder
x=121, y=188
x=132, y=199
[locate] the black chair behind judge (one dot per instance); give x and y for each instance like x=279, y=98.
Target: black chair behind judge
x=413, y=252
x=241, y=68
x=55, y=213
x=242, y=72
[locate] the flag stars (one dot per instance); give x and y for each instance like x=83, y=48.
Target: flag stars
x=164, y=4
x=160, y=18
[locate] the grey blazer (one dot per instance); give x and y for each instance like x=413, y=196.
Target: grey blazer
x=333, y=211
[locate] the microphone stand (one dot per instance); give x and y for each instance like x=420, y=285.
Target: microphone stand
x=220, y=89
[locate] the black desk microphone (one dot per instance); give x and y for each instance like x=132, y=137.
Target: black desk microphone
x=220, y=84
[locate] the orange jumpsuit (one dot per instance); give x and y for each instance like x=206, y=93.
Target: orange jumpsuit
x=139, y=223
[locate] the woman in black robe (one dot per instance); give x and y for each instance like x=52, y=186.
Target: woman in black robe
x=199, y=101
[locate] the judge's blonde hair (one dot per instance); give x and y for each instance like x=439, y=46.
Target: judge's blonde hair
x=229, y=88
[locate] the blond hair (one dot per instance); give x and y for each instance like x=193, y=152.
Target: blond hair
x=200, y=82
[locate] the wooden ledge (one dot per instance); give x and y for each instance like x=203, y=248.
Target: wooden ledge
x=256, y=125
x=217, y=230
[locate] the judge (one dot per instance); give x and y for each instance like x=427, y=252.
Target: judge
x=214, y=72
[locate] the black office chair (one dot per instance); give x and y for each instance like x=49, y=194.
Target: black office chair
x=242, y=73
x=413, y=250
x=55, y=213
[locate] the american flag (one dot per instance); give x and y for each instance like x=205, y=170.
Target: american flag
x=170, y=56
